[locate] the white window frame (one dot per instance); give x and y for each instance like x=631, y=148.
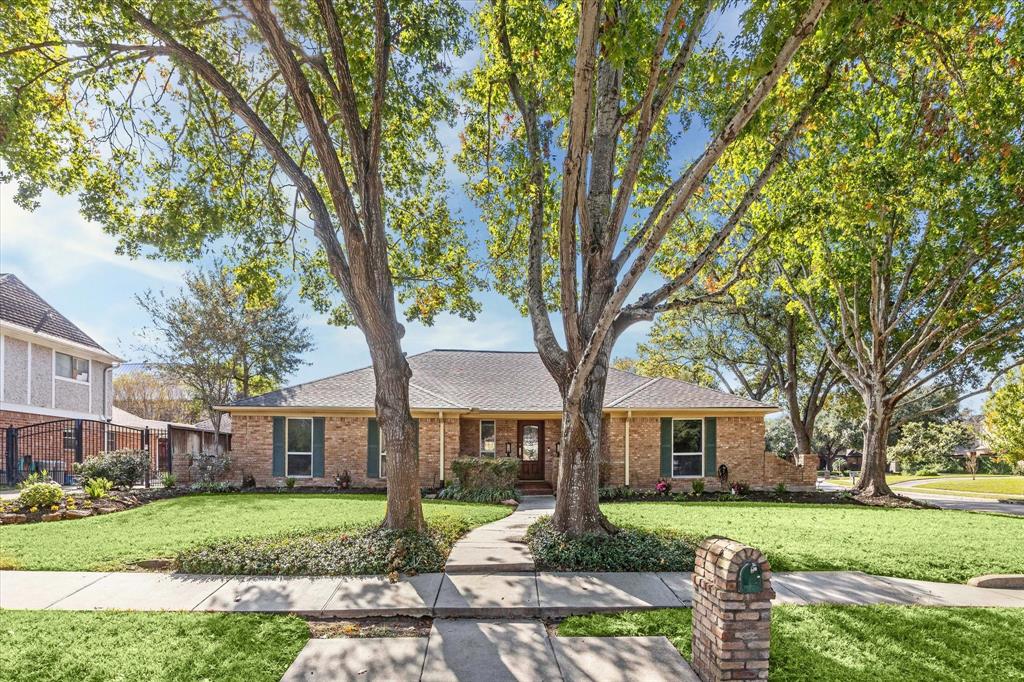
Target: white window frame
x=382, y=459
x=703, y=446
x=288, y=453
x=494, y=426
x=73, y=380
x=110, y=439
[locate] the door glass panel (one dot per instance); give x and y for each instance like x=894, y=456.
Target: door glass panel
x=531, y=443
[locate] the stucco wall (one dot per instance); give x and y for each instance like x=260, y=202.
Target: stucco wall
x=71, y=395
x=15, y=371
x=42, y=376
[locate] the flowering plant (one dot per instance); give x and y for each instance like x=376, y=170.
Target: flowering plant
x=663, y=487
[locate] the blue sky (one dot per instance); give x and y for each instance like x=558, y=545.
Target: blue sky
x=71, y=263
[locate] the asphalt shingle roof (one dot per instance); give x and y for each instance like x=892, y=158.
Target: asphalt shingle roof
x=493, y=381
x=21, y=306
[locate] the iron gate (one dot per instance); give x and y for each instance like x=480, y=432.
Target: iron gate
x=58, y=445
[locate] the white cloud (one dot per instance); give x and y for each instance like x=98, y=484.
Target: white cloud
x=56, y=244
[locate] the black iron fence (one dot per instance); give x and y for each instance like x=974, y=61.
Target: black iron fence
x=58, y=445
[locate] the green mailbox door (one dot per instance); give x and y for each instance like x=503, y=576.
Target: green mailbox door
x=750, y=578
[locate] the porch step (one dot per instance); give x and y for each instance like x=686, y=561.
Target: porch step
x=528, y=487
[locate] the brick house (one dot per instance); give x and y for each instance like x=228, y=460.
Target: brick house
x=505, y=404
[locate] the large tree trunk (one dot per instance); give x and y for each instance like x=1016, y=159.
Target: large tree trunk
x=576, y=507
x=871, y=482
x=398, y=434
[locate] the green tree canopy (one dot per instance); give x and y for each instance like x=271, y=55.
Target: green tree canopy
x=897, y=228
x=1004, y=419
x=303, y=134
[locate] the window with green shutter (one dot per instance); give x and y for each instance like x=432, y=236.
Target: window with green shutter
x=687, y=448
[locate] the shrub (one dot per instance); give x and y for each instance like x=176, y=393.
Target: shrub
x=840, y=466
x=207, y=467
x=123, y=468
x=630, y=549
x=740, y=488
x=619, y=492
x=40, y=495
x=663, y=487
x=480, y=479
x=97, y=488
x=698, y=487
x=456, y=492
x=41, y=476
x=360, y=551
x=289, y=483
x=212, y=487
x=248, y=481
x=169, y=480
x=486, y=472
x=780, y=488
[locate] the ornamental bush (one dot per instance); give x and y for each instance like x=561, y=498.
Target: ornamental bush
x=456, y=492
x=483, y=479
x=97, y=488
x=123, y=468
x=207, y=467
x=40, y=495
x=629, y=549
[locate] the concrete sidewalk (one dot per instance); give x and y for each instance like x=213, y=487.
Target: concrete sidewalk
x=500, y=595
x=492, y=652
x=500, y=546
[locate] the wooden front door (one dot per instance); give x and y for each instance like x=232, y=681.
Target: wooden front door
x=531, y=450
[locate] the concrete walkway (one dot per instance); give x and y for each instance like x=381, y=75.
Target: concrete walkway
x=499, y=595
x=492, y=652
x=500, y=546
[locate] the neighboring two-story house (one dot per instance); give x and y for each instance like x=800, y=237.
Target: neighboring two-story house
x=49, y=368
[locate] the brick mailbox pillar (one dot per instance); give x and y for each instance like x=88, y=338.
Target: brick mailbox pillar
x=732, y=595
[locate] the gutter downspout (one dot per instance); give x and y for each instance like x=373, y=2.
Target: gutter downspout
x=629, y=416
x=440, y=417
x=103, y=410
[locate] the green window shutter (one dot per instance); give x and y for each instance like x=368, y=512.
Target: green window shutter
x=666, y=447
x=278, y=440
x=318, y=447
x=710, y=446
x=372, y=448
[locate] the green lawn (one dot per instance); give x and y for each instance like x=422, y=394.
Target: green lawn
x=38, y=646
x=1012, y=486
x=161, y=529
x=852, y=643
x=949, y=546
x=900, y=478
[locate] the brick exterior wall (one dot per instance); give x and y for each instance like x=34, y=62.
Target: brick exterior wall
x=740, y=446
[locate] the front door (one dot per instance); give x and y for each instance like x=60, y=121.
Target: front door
x=531, y=450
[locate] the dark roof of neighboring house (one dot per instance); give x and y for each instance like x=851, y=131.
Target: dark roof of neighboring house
x=494, y=381
x=207, y=425
x=21, y=306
